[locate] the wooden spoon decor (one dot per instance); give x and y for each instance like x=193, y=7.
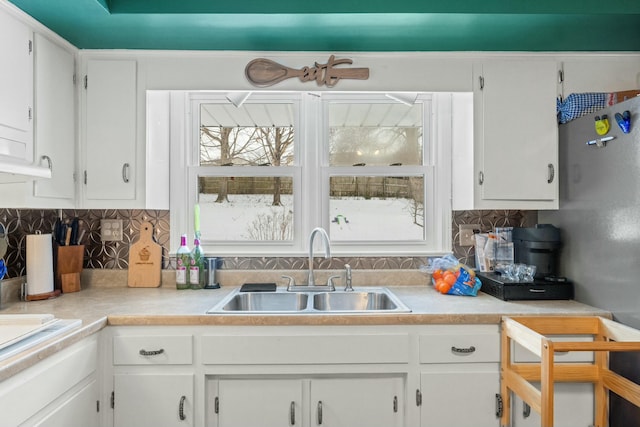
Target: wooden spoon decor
x=263, y=72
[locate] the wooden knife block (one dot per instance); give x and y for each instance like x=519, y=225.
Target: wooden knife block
x=69, y=267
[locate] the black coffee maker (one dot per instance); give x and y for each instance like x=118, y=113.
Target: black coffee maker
x=539, y=246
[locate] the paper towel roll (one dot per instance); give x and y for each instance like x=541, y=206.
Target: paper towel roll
x=39, y=264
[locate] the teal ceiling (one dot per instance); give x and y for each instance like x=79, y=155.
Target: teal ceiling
x=344, y=25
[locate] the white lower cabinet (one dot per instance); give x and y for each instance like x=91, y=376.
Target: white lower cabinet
x=573, y=404
x=153, y=399
x=460, y=397
x=266, y=402
x=460, y=376
x=337, y=402
x=572, y=407
x=79, y=410
x=347, y=402
x=60, y=391
x=153, y=377
x=316, y=376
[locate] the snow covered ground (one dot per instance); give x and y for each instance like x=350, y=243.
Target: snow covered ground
x=352, y=218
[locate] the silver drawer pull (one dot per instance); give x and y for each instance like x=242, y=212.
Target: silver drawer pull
x=537, y=291
x=292, y=414
x=467, y=350
x=144, y=352
x=319, y=412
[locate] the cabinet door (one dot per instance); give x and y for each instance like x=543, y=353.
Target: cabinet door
x=110, y=130
x=600, y=73
x=259, y=402
x=348, y=402
x=516, y=104
x=16, y=87
x=151, y=400
x=54, y=119
x=80, y=410
x=459, y=397
x=573, y=406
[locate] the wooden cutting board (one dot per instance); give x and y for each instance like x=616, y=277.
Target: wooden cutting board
x=145, y=260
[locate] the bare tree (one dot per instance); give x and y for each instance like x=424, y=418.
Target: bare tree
x=223, y=145
x=276, y=143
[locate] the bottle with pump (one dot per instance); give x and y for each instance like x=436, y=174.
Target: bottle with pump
x=197, y=271
x=182, y=264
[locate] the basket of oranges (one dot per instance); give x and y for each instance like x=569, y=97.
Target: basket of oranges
x=451, y=277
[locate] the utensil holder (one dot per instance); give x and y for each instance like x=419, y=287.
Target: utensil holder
x=68, y=268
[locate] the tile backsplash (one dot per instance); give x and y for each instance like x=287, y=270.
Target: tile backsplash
x=115, y=255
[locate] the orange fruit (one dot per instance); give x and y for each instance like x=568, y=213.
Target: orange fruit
x=445, y=287
x=437, y=274
x=450, y=278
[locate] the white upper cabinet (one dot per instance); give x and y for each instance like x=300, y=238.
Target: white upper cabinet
x=16, y=89
x=54, y=123
x=111, y=111
x=515, y=147
x=600, y=73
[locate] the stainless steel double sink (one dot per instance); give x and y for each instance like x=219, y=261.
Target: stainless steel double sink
x=360, y=301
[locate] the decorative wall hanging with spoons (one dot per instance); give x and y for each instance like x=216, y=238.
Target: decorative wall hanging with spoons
x=264, y=72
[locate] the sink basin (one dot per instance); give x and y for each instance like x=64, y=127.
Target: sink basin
x=360, y=301
x=265, y=302
x=353, y=301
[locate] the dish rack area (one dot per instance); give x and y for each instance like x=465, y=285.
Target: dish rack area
x=534, y=334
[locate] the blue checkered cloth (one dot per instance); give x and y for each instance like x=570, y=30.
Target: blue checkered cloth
x=578, y=104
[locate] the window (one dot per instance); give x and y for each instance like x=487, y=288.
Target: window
x=372, y=171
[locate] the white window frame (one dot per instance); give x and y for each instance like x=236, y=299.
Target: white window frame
x=312, y=176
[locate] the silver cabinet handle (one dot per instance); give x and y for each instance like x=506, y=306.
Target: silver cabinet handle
x=467, y=350
x=481, y=178
x=181, y=408
x=395, y=404
x=526, y=410
x=418, y=397
x=551, y=173
x=292, y=414
x=144, y=352
x=319, y=412
x=481, y=81
x=48, y=160
x=499, y=405
x=125, y=172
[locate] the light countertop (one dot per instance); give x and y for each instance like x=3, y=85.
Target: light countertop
x=99, y=306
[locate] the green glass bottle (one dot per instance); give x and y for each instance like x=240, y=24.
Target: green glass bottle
x=197, y=272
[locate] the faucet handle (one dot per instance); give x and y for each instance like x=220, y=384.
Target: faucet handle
x=291, y=284
x=330, y=285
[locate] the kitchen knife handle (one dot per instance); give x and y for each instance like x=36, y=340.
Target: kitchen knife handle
x=125, y=172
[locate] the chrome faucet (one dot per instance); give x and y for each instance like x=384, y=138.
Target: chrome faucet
x=311, y=281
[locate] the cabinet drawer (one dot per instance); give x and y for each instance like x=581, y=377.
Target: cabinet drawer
x=460, y=348
x=153, y=350
x=522, y=355
x=307, y=349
